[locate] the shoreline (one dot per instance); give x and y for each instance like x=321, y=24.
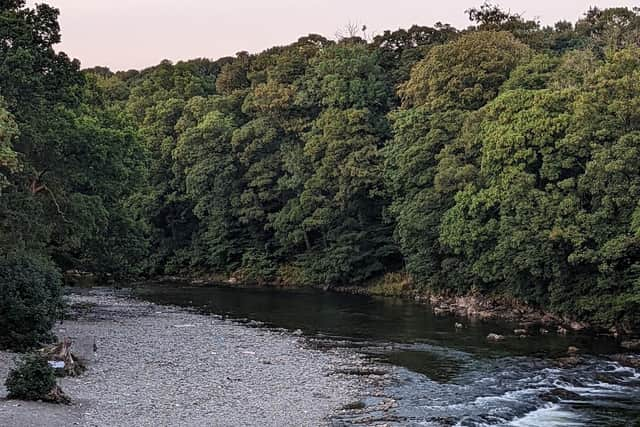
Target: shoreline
x=471, y=306
x=165, y=365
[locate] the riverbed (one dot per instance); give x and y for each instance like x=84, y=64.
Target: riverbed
x=229, y=356
x=444, y=370
x=162, y=365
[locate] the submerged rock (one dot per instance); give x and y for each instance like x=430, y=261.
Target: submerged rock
x=627, y=360
x=569, y=361
x=558, y=394
x=609, y=378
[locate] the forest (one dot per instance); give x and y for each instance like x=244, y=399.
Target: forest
x=500, y=159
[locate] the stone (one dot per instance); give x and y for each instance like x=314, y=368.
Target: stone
x=572, y=350
x=558, y=394
x=495, y=337
x=569, y=361
x=632, y=345
x=354, y=406
x=548, y=319
x=578, y=326
x=627, y=360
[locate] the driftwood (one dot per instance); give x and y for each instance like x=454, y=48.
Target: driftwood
x=61, y=352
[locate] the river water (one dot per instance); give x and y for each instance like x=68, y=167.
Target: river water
x=443, y=375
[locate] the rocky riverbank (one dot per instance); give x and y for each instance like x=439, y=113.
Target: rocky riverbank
x=158, y=365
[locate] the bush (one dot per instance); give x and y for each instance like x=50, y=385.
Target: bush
x=30, y=300
x=258, y=267
x=32, y=379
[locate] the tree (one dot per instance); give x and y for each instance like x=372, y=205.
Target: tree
x=608, y=30
x=212, y=181
x=489, y=17
x=465, y=73
x=8, y=158
x=400, y=50
x=502, y=222
x=30, y=300
x=336, y=217
x=426, y=162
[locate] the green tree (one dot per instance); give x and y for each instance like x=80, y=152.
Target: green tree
x=427, y=160
x=336, y=216
x=465, y=73
x=213, y=182
x=503, y=220
x=30, y=300
x=8, y=158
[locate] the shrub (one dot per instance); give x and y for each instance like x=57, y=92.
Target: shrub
x=32, y=379
x=258, y=267
x=30, y=300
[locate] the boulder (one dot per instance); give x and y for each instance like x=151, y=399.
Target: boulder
x=572, y=350
x=627, y=360
x=569, y=361
x=578, y=326
x=495, y=337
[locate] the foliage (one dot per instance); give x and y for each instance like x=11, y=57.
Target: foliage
x=500, y=158
x=29, y=300
x=257, y=267
x=465, y=73
x=31, y=379
x=8, y=157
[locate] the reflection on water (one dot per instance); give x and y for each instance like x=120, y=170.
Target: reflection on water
x=449, y=376
x=436, y=367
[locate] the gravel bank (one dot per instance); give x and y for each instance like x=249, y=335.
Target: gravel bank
x=164, y=366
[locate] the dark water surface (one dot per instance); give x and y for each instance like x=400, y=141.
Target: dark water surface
x=448, y=375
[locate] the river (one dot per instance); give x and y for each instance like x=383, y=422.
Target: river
x=444, y=375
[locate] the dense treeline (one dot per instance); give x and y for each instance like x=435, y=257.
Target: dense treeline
x=69, y=162
x=502, y=159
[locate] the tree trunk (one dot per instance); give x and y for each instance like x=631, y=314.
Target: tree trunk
x=61, y=352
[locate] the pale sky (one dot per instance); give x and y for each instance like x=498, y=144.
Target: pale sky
x=124, y=34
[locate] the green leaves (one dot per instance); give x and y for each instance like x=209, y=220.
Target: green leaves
x=510, y=167
x=465, y=73
x=8, y=158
